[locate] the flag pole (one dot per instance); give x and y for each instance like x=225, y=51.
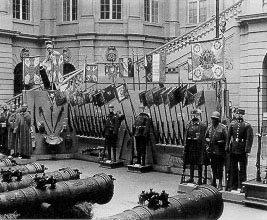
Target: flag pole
x=138, y=71
x=133, y=69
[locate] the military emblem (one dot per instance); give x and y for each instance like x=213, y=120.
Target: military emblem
x=111, y=54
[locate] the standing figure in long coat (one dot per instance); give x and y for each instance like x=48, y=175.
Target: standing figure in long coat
x=194, y=147
x=10, y=128
x=23, y=132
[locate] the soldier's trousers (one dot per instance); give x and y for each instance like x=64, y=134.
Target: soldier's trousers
x=111, y=141
x=217, y=162
x=141, y=143
x=241, y=160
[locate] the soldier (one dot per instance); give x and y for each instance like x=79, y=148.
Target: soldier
x=3, y=129
x=216, y=137
x=194, y=147
x=239, y=143
x=141, y=131
x=10, y=127
x=112, y=125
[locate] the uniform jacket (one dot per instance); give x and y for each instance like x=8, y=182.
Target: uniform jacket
x=194, y=148
x=217, y=139
x=240, y=137
x=112, y=123
x=142, y=125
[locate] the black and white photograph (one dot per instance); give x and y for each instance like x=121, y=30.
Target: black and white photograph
x=133, y=109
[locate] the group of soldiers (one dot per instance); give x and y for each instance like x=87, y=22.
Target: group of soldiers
x=141, y=130
x=218, y=145
x=15, y=131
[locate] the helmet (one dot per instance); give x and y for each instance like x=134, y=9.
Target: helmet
x=24, y=105
x=215, y=114
x=196, y=112
x=110, y=106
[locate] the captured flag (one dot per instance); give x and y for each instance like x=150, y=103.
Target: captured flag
x=80, y=99
x=109, y=93
x=149, y=97
x=123, y=65
x=122, y=92
x=142, y=97
x=190, y=68
x=172, y=97
x=98, y=99
x=190, y=95
x=60, y=98
x=91, y=73
x=130, y=67
x=148, y=67
x=207, y=60
x=31, y=71
x=164, y=95
x=112, y=70
x=180, y=93
x=200, y=98
x=157, y=96
x=87, y=96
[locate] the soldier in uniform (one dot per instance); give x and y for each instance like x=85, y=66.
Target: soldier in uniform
x=194, y=147
x=10, y=127
x=239, y=143
x=112, y=125
x=3, y=129
x=216, y=137
x=141, y=131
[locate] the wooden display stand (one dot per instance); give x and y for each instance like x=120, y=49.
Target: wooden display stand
x=139, y=168
x=111, y=164
x=255, y=193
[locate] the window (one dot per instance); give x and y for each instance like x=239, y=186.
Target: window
x=21, y=9
x=197, y=11
x=110, y=9
x=70, y=10
x=151, y=11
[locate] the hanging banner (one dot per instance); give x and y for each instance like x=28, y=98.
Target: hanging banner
x=31, y=71
x=91, y=73
x=207, y=60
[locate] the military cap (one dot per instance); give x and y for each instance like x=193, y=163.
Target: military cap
x=240, y=111
x=24, y=105
x=215, y=114
x=111, y=106
x=196, y=112
x=49, y=42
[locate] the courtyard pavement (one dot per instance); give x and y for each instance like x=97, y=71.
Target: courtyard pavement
x=129, y=185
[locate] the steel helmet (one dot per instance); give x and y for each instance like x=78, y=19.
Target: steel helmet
x=215, y=114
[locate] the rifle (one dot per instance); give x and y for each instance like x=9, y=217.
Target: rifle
x=78, y=131
x=69, y=120
x=178, y=125
x=34, y=118
x=168, y=127
x=87, y=121
x=87, y=132
x=184, y=130
x=162, y=127
x=92, y=122
x=157, y=136
x=97, y=131
x=81, y=121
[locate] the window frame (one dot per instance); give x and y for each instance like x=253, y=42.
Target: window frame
x=29, y=6
x=151, y=11
x=198, y=14
x=113, y=8
x=70, y=11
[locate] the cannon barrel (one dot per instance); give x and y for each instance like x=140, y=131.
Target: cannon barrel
x=204, y=202
x=6, y=162
x=29, y=168
x=28, y=180
x=97, y=189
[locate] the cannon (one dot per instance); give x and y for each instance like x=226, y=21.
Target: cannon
x=97, y=189
x=63, y=174
x=7, y=162
x=204, y=202
x=30, y=168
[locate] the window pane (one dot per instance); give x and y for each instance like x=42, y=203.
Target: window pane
x=155, y=11
x=74, y=10
x=193, y=12
x=147, y=10
x=25, y=9
x=202, y=10
x=16, y=9
x=116, y=9
x=104, y=9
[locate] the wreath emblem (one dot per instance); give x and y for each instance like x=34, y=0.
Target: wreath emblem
x=207, y=59
x=197, y=74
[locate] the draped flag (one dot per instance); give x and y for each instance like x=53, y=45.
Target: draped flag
x=98, y=99
x=190, y=68
x=148, y=67
x=122, y=92
x=31, y=71
x=164, y=95
x=130, y=67
x=157, y=96
x=180, y=93
x=207, y=60
x=142, y=97
x=200, y=98
x=80, y=99
x=190, y=95
x=123, y=65
x=91, y=73
x=87, y=96
x=109, y=93
x=149, y=97
x=112, y=70
x=73, y=99
x=172, y=97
